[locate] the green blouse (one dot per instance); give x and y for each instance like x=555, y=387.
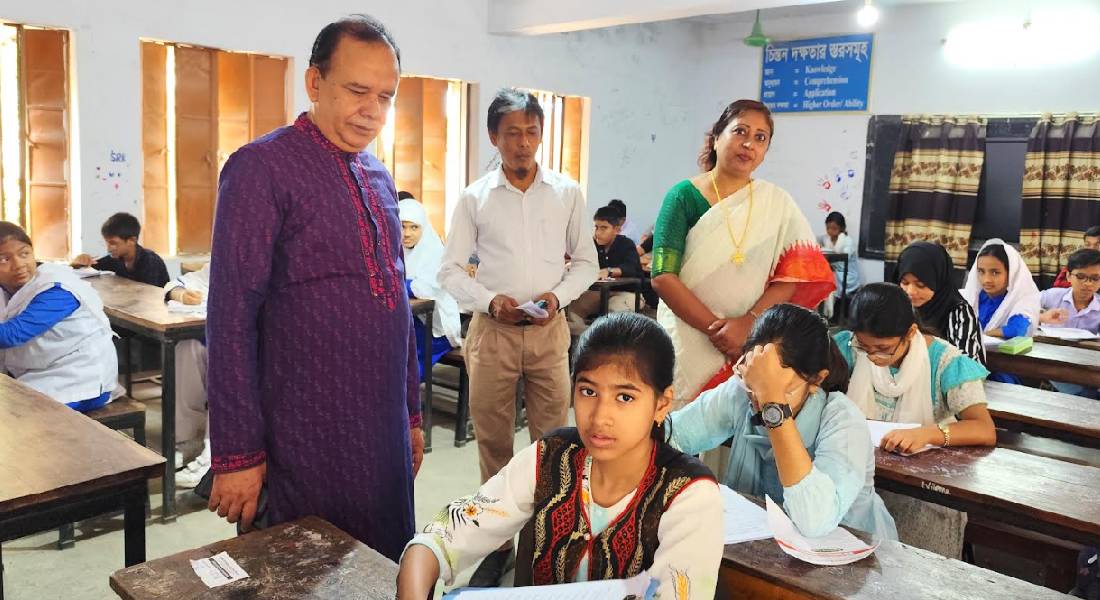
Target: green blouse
x=682, y=208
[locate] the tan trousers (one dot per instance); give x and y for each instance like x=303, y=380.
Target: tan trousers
x=191, y=415
x=497, y=356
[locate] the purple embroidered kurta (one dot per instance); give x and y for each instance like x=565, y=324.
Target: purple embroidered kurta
x=312, y=355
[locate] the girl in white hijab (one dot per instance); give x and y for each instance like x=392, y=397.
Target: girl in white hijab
x=1002, y=292
x=423, y=254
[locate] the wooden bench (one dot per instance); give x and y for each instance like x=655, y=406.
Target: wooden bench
x=68, y=469
x=301, y=560
x=1048, y=447
x=1044, y=413
x=122, y=413
x=1036, y=493
x=455, y=358
x=1072, y=364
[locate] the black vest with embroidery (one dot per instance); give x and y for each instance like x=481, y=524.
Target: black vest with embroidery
x=556, y=538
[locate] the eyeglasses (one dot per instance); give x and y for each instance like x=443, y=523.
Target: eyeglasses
x=1083, y=278
x=855, y=345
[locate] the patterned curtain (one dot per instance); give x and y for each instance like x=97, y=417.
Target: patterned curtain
x=934, y=184
x=1061, y=196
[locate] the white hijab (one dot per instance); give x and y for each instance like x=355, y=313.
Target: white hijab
x=422, y=264
x=1022, y=297
x=912, y=386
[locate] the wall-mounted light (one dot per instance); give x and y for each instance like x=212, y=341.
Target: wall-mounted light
x=1052, y=36
x=868, y=15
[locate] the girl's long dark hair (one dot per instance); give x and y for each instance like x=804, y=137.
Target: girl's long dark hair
x=802, y=337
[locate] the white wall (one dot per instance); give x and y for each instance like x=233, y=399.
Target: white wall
x=654, y=88
x=640, y=138
x=909, y=75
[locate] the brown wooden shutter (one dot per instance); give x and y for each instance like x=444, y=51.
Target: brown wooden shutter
x=269, y=97
x=154, y=146
x=196, y=140
x=46, y=110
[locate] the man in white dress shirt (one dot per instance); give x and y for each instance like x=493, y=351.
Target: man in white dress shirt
x=521, y=220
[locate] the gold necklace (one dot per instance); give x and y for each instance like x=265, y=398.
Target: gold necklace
x=738, y=256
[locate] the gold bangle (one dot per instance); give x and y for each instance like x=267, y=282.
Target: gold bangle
x=946, y=430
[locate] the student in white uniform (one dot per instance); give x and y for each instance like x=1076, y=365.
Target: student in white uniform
x=54, y=335
x=191, y=414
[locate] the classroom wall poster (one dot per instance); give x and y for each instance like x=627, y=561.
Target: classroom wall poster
x=828, y=74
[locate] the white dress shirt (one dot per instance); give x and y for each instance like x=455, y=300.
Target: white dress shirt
x=521, y=240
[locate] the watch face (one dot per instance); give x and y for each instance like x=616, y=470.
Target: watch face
x=772, y=415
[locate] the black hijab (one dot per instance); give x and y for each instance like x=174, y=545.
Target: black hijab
x=932, y=265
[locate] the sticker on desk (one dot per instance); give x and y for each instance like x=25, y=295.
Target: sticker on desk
x=218, y=570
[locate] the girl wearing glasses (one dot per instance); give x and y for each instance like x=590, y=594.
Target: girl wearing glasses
x=1077, y=307
x=793, y=433
x=899, y=374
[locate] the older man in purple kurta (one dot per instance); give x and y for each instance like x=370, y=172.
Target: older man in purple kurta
x=312, y=375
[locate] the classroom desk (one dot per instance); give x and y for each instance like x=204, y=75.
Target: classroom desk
x=58, y=466
x=141, y=309
x=1072, y=364
x=1040, y=412
x=606, y=286
x=426, y=309
x=758, y=570
x=304, y=559
x=1039, y=494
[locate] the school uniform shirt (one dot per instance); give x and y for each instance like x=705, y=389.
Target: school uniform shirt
x=621, y=253
x=196, y=281
x=148, y=267
x=840, y=487
x=1089, y=318
x=690, y=530
x=56, y=338
x=521, y=240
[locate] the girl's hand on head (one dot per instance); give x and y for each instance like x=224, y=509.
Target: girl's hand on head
x=766, y=376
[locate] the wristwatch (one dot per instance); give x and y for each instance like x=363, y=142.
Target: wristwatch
x=772, y=415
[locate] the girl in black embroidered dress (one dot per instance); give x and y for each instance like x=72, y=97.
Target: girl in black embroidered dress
x=607, y=499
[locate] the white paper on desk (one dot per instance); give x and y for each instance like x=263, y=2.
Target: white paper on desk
x=641, y=586
x=86, y=272
x=533, y=310
x=879, y=429
x=1067, y=333
x=837, y=548
x=174, y=306
x=218, y=570
x=744, y=520
x=991, y=342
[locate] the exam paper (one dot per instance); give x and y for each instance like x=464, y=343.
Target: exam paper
x=639, y=587
x=188, y=309
x=837, y=548
x=218, y=570
x=533, y=310
x=879, y=429
x=744, y=521
x=1067, y=333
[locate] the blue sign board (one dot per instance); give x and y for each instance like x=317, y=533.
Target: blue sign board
x=817, y=75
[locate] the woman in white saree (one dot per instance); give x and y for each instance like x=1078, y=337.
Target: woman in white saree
x=726, y=248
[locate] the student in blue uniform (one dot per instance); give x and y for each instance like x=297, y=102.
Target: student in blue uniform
x=54, y=335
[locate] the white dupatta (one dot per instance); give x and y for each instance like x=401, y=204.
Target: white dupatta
x=1022, y=297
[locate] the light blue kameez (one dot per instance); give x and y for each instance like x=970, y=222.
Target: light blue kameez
x=840, y=488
